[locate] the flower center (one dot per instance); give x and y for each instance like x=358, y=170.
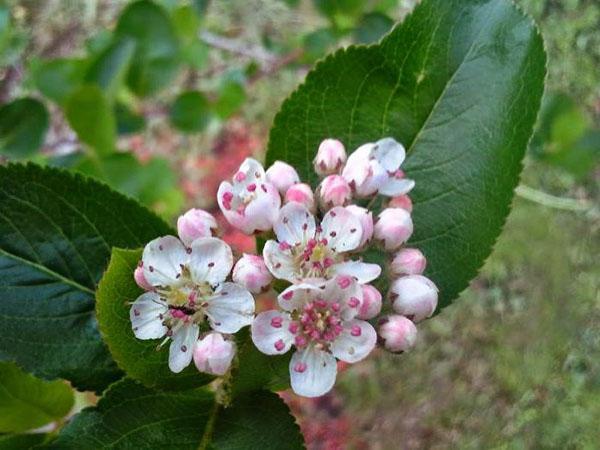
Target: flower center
x=315, y=259
x=318, y=323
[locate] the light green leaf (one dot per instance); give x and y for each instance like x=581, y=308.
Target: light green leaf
x=190, y=112
x=89, y=113
x=58, y=78
x=231, y=97
x=459, y=83
x=27, y=402
x=57, y=230
x=23, y=125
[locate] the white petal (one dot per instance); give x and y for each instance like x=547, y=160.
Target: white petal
x=396, y=186
x=182, y=347
x=389, y=153
x=211, y=260
x=263, y=211
x=146, y=316
x=295, y=224
x=213, y=354
x=231, y=308
x=279, y=262
x=347, y=293
x=342, y=229
x=363, y=272
x=162, y=260
x=356, y=169
x=378, y=176
x=318, y=377
x=352, y=348
x=267, y=337
x=297, y=295
x=254, y=171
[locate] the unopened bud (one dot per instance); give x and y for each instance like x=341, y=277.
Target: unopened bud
x=401, y=201
x=282, y=176
x=213, y=354
x=301, y=193
x=334, y=191
x=194, y=224
x=330, y=158
x=371, y=304
x=414, y=296
x=408, y=261
x=394, y=226
x=252, y=273
x=397, y=334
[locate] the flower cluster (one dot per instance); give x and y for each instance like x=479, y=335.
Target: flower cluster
x=314, y=242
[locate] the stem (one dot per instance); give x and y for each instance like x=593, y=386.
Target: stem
x=551, y=201
x=210, y=425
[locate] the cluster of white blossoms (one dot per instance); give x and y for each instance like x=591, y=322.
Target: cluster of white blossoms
x=317, y=241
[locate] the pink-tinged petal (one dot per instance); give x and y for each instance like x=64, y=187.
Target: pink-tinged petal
x=226, y=198
x=330, y=158
x=194, y=224
x=408, y=261
x=301, y=193
x=295, y=224
x=342, y=229
x=362, y=272
x=397, y=333
x=162, y=260
x=345, y=291
x=253, y=173
x=140, y=279
x=366, y=220
x=414, y=296
x=262, y=212
x=356, y=169
x=312, y=372
x=394, y=227
x=211, y=260
x=401, y=201
x=251, y=272
x=334, y=190
x=182, y=347
x=297, y=295
x=279, y=262
x=371, y=304
x=230, y=308
x=396, y=186
x=270, y=332
x=282, y=176
x=389, y=153
x=146, y=315
x=355, y=342
x=213, y=354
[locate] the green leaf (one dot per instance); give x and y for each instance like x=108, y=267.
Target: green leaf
x=108, y=70
x=27, y=402
x=58, y=78
x=140, y=359
x=128, y=122
x=21, y=441
x=459, y=83
x=231, y=97
x=57, y=230
x=190, y=112
x=91, y=117
x=23, y=125
x=372, y=27
x=155, y=60
x=132, y=416
x=317, y=43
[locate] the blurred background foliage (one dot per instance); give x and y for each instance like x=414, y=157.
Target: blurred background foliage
x=163, y=99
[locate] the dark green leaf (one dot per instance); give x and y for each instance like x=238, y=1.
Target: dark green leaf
x=139, y=359
x=131, y=416
x=27, y=402
x=459, y=83
x=372, y=27
x=23, y=125
x=91, y=116
x=21, y=441
x=317, y=43
x=201, y=6
x=155, y=60
x=58, y=78
x=190, y=112
x=128, y=121
x=108, y=70
x=57, y=230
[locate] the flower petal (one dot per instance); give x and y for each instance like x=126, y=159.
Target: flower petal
x=162, y=260
x=295, y=224
x=211, y=260
x=342, y=229
x=270, y=332
x=297, y=295
x=254, y=173
x=279, y=262
x=363, y=272
x=146, y=316
x=396, y=186
x=213, y=354
x=347, y=293
x=312, y=372
x=356, y=169
x=263, y=211
x=389, y=153
x=355, y=342
x=231, y=308
x=182, y=347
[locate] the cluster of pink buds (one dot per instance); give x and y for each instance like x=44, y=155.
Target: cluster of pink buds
x=315, y=242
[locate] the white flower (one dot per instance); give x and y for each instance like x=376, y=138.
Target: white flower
x=320, y=322
x=306, y=252
x=189, y=289
x=375, y=168
x=251, y=203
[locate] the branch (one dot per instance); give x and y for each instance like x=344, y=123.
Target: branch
x=264, y=57
x=551, y=201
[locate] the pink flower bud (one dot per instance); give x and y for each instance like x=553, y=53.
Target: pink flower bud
x=393, y=227
x=282, y=176
x=140, y=279
x=213, y=354
x=414, y=296
x=408, y=261
x=334, y=191
x=402, y=201
x=397, y=334
x=330, y=158
x=301, y=193
x=194, y=224
x=366, y=220
x=251, y=272
x=371, y=305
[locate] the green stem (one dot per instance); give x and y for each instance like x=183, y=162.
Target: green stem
x=551, y=201
x=210, y=425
